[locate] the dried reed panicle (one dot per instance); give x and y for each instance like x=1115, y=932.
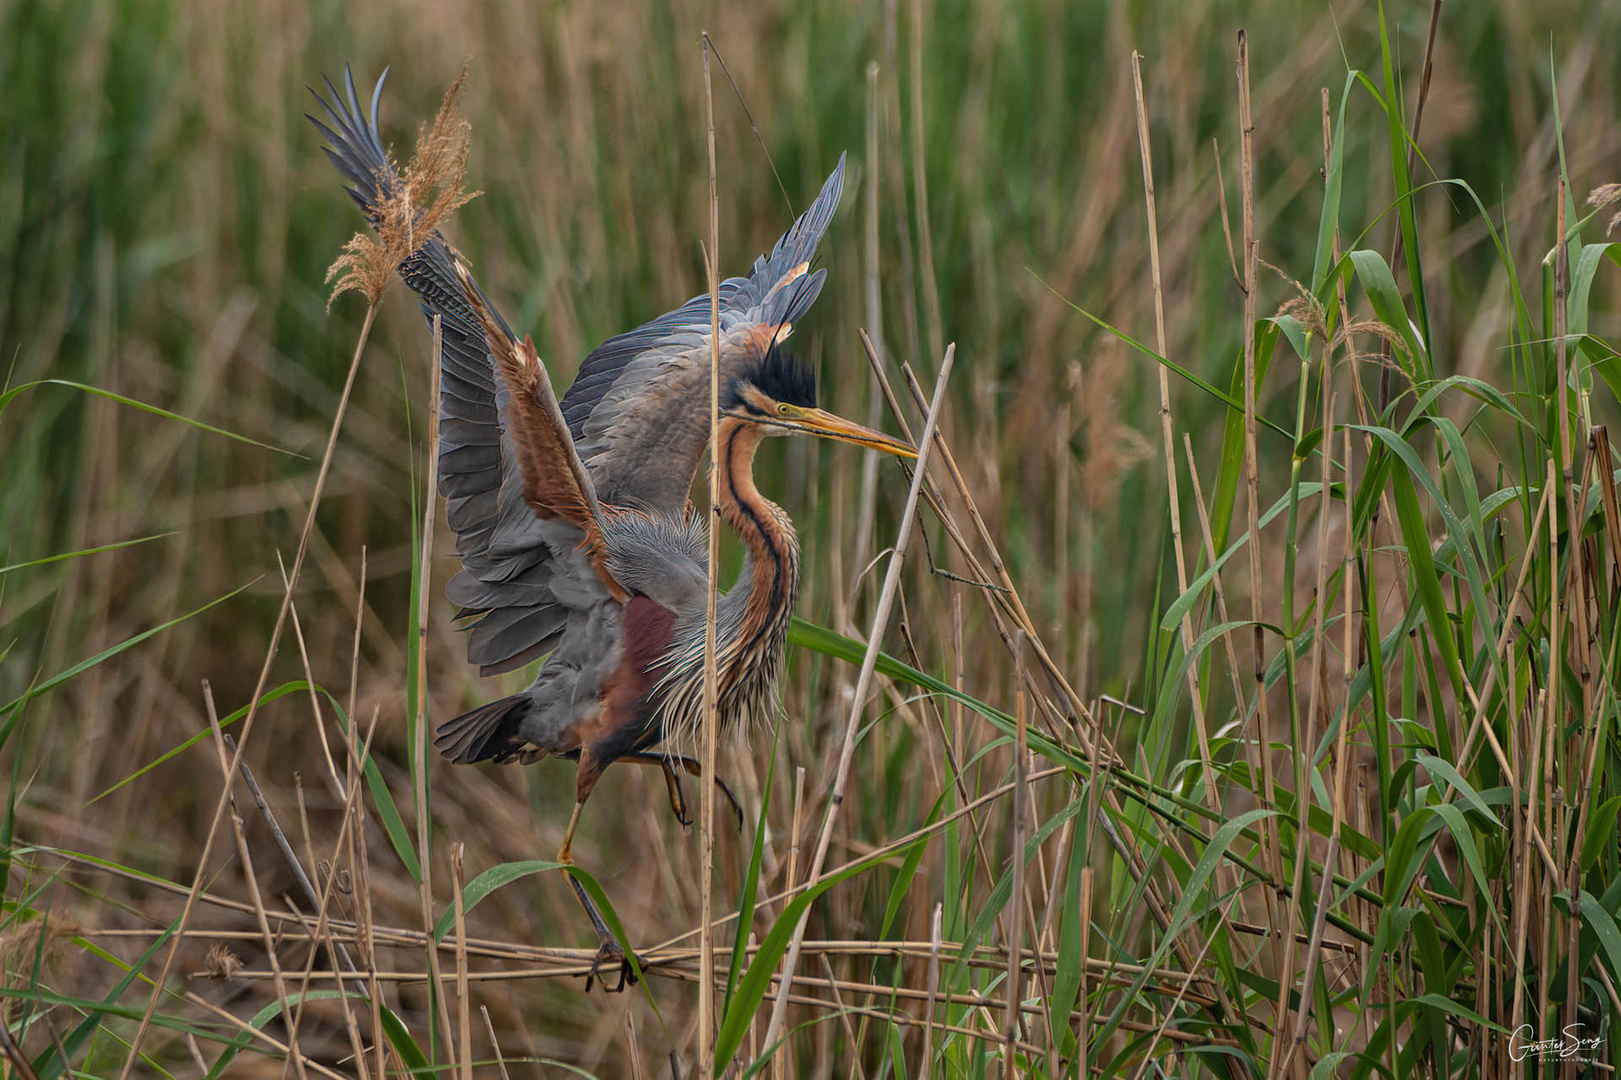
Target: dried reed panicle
x=21, y=947
x=1311, y=314
x=1603, y=196
x=222, y=963
x=416, y=203
x=1372, y=328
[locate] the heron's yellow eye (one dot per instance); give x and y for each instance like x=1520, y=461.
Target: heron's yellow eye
x=783, y=409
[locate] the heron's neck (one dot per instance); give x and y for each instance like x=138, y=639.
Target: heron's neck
x=769, y=583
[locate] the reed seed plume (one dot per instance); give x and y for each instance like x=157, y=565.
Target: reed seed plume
x=222, y=963
x=418, y=201
x=1603, y=196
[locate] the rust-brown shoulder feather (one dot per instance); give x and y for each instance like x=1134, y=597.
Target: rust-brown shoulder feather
x=555, y=483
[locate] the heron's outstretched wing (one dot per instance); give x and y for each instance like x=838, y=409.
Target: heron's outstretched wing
x=553, y=481
x=639, y=407
x=507, y=568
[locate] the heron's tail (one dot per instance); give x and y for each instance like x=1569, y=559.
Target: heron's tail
x=487, y=733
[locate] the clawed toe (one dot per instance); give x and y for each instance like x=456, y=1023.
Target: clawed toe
x=608, y=952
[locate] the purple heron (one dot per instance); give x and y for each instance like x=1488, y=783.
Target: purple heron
x=577, y=538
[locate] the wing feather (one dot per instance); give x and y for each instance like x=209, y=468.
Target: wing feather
x=554, y=481
x=638, y=409
x=506, y=564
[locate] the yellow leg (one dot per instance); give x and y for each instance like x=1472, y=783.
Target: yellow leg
x=608, y=949
x=565, y=854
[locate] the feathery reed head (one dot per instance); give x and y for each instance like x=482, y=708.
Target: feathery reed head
x=416, y=202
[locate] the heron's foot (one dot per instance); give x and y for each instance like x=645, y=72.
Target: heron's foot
x=737, y=807
x=672, y=780
x=609, y=953
x=678, y=799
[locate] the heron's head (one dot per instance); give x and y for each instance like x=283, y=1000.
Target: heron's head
x=779, y=393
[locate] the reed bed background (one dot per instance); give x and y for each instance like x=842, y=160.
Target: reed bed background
x=1418, y=300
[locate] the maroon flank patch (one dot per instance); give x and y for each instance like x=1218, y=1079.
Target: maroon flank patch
x=625, y=722
x=645, y=629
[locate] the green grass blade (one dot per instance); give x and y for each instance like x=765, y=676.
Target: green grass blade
x=751, y=879
x=10, y=395
x=85, y=665
x=51, y=1064
x=47, y=560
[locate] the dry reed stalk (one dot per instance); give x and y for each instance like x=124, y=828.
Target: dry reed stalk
x=405, y=938
x=464, y=1012
x=1301, y=786
x=1170, y=1010
x=958, y=779
x=706, y=861
x=319, y=901
x=1003, y=596
x=791, y=878
x=683, y=963
x=274, y=1045
x=1082, y=998
x=1195, y=698
x=359, y=857
x=248, y=874
x=1548, y=740
x=932, y=985
x=501, y=1063
x=844, y=1011
x=1270, y=839
x=1006, y=598
x=1021, y=796
x=1209, y=541
x=324, y=931
x=330, y=775
x=253, y=703
x=886, y=598
x=420, y=746
x=321, y=933
x=866, y=515
x=920, y=188
x=1341, y=744
x=1524, y=821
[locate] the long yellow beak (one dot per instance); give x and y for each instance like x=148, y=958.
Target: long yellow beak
x=824, y=424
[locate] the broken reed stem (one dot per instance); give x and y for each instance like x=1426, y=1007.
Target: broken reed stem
x=269, y=818
x=706, y=861
x=869, y=661
x=419, y=746
x=464, y=1012
x=495, y=1045
x=932, y=983
x=1195, y=699
x=258, y=695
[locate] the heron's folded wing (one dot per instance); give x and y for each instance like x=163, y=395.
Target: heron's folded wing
x=508, y=570
x=639, y=406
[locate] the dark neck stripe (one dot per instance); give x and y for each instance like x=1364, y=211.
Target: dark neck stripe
x=753, y=511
